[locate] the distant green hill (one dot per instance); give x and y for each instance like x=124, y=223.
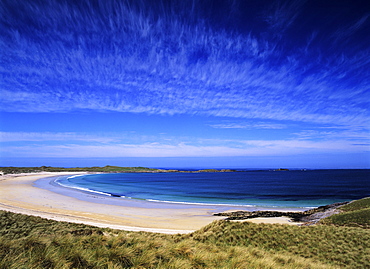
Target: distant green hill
x=97, y=169
x=107, y=169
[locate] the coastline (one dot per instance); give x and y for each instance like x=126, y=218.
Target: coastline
x=32, y=194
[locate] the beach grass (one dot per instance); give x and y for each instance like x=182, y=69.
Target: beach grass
x=356, y=205
x=358, y=218
x=354, y=214
x=34, y=242
x=342, y=246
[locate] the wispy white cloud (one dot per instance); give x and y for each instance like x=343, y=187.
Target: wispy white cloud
x=359, y=134
x=127, y=62
x=102, y=138
x=48, y=136
x=281, y=15
x=345, y=32
x=251, y=148
x=246, y=125
x=22, y=144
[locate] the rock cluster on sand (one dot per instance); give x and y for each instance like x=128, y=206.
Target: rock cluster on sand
x=309, y=217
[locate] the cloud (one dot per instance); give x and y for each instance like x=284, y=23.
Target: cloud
x=347, y=31
x=252, y=148
x=282, y=15
x=48, y=136
x=358, y=134
x=117, y=57
x=72, y=145
x=245, y=125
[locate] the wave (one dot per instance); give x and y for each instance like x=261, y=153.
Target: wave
x=57, y=181
x=75, y=176
x=198, y=203
x=220, y=204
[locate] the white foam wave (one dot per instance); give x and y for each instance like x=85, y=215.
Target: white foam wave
x=82, y=189
x=58, y=179
x=228, y=205
x=75, y=176
x=93, y=191
x=195, y=203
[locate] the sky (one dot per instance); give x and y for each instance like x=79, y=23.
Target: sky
x=182, y=83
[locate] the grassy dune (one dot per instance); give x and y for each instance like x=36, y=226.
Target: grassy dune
x=33, y=242
x=341, y=246
x=354, y=214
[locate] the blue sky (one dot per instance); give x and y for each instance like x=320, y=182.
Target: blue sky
x=185, y=83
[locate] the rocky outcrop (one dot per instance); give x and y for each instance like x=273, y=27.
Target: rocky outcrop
x=309, y=217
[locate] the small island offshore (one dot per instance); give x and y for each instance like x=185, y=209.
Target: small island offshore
x=332, y=236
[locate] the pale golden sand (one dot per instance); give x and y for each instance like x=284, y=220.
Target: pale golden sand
x=18, y=195
x=276, y=220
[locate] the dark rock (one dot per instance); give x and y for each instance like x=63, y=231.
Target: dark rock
x=311, y=216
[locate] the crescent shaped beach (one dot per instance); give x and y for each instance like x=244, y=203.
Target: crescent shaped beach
x=38, y=195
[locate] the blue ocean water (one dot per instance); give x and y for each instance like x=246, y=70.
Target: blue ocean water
x=309, y=188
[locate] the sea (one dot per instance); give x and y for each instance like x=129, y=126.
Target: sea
x=255, y=188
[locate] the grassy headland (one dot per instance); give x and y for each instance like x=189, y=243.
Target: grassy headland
x=354, y=214
x=33, y=242
x=97, y=169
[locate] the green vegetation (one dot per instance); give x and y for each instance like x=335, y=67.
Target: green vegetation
x=105, y=169
x=354, y=214
x=341, y=246
x=96, y=169
x=356, y=205
x=33, y=242
x=358, y=218
x=211, y=171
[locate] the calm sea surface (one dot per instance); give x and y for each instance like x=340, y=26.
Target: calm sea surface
x=309, y=188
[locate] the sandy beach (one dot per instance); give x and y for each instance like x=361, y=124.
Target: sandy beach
x=20, y=194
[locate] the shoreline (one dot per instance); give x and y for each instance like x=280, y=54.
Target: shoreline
x=51, y=184
x=32, y=194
